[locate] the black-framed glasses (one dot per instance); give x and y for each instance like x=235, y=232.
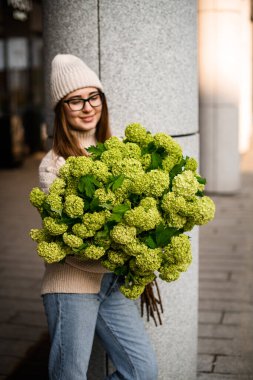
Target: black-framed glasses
x=78, y=104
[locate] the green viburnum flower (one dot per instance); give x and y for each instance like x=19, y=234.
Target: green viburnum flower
x=79, y=166
x=95, y=221
x=158, y=181
x=191, y=164
x=72, y=186
x=105, y=196
x=74, y=206
x=112, y=156
x=117, y=257
x=108, y=264
x=100, y=171
x=132, y=292
x=54, y=200
x=54, y=226
x=139, y=184
x=82, y=231
x=174, y=204
x=134, y=248
x=161, y=140
x=169, y=273
x=93, y=252
x=130, y=167
x=40, y=235
x=149, y=260
x=71, y=240
x=132, y=150
x=141, y=219
x=58, y=186
x=143, y=280
x=37, y=197
x=204, y=211
x=52, y=252
x=146, y=161
x=185, y=184
x=135, y=133
x=179, y=250
x=169, y=162
x=176, y=220
x=114, y=142
x=123, y=234
x=189, y=225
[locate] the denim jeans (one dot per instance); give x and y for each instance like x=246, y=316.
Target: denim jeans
x=73, y=319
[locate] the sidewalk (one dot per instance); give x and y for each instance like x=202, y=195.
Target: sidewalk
x=226, y=286
x=226, y=283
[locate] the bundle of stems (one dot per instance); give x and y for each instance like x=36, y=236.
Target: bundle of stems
x=152, y=303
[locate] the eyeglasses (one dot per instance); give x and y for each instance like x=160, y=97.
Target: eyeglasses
x=78, y=104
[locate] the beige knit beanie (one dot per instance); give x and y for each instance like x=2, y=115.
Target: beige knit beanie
x=69, y=73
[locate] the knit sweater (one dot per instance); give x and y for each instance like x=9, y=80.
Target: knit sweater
x=75, y=275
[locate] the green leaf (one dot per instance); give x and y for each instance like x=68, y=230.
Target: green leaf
x=200, y=193
x=177, y=169
x=121, y=271
x=94, y=204
x=87, y=184
x=118, y=212
x=121, y=209
x=118, y=182
x=97, y=150
x=116, y=217
x=68, y=220
x=164, y=234
x=150, y=242
x=201, y=180
x=79, y=249
x=115, y=182
x=156, y=161
x=103, y=234
x=148, y=149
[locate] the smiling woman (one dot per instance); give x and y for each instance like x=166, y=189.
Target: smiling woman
x=81, y=296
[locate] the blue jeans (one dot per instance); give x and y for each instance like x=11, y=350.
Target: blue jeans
x=73, y=319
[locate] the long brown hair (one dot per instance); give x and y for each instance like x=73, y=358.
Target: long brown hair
x=65, y=143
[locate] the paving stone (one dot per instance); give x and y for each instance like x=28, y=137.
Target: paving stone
x=205, y=363
x=210, y=316
x=216, y=346
x=216, y=330
x=215, y=376
x=224, y=305
x=234, y=364
x=236, y=318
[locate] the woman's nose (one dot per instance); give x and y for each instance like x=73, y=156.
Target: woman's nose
x=87, y=107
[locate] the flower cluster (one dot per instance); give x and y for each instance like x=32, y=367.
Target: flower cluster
x=129, y=205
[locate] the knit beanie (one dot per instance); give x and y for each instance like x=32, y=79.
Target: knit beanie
x=69, y=73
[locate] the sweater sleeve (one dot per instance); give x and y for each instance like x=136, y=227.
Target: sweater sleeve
x=49, y=169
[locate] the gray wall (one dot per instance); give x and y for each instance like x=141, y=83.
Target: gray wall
x=146, y=55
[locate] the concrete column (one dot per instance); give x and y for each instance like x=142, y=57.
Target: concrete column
x=219, y=72
x=145, y=54
x=245, y=114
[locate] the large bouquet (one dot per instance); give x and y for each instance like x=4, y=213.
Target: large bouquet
x=127, y=205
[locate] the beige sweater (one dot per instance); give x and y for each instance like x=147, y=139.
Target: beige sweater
x=75, y=275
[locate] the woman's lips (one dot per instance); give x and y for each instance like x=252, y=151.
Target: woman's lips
x=87, y=119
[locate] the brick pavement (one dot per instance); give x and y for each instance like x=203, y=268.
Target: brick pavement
x=226, y=286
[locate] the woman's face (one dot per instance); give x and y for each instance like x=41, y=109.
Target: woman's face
x=88, y=117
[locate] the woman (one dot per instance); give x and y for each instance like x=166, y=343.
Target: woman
x=83, y=298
